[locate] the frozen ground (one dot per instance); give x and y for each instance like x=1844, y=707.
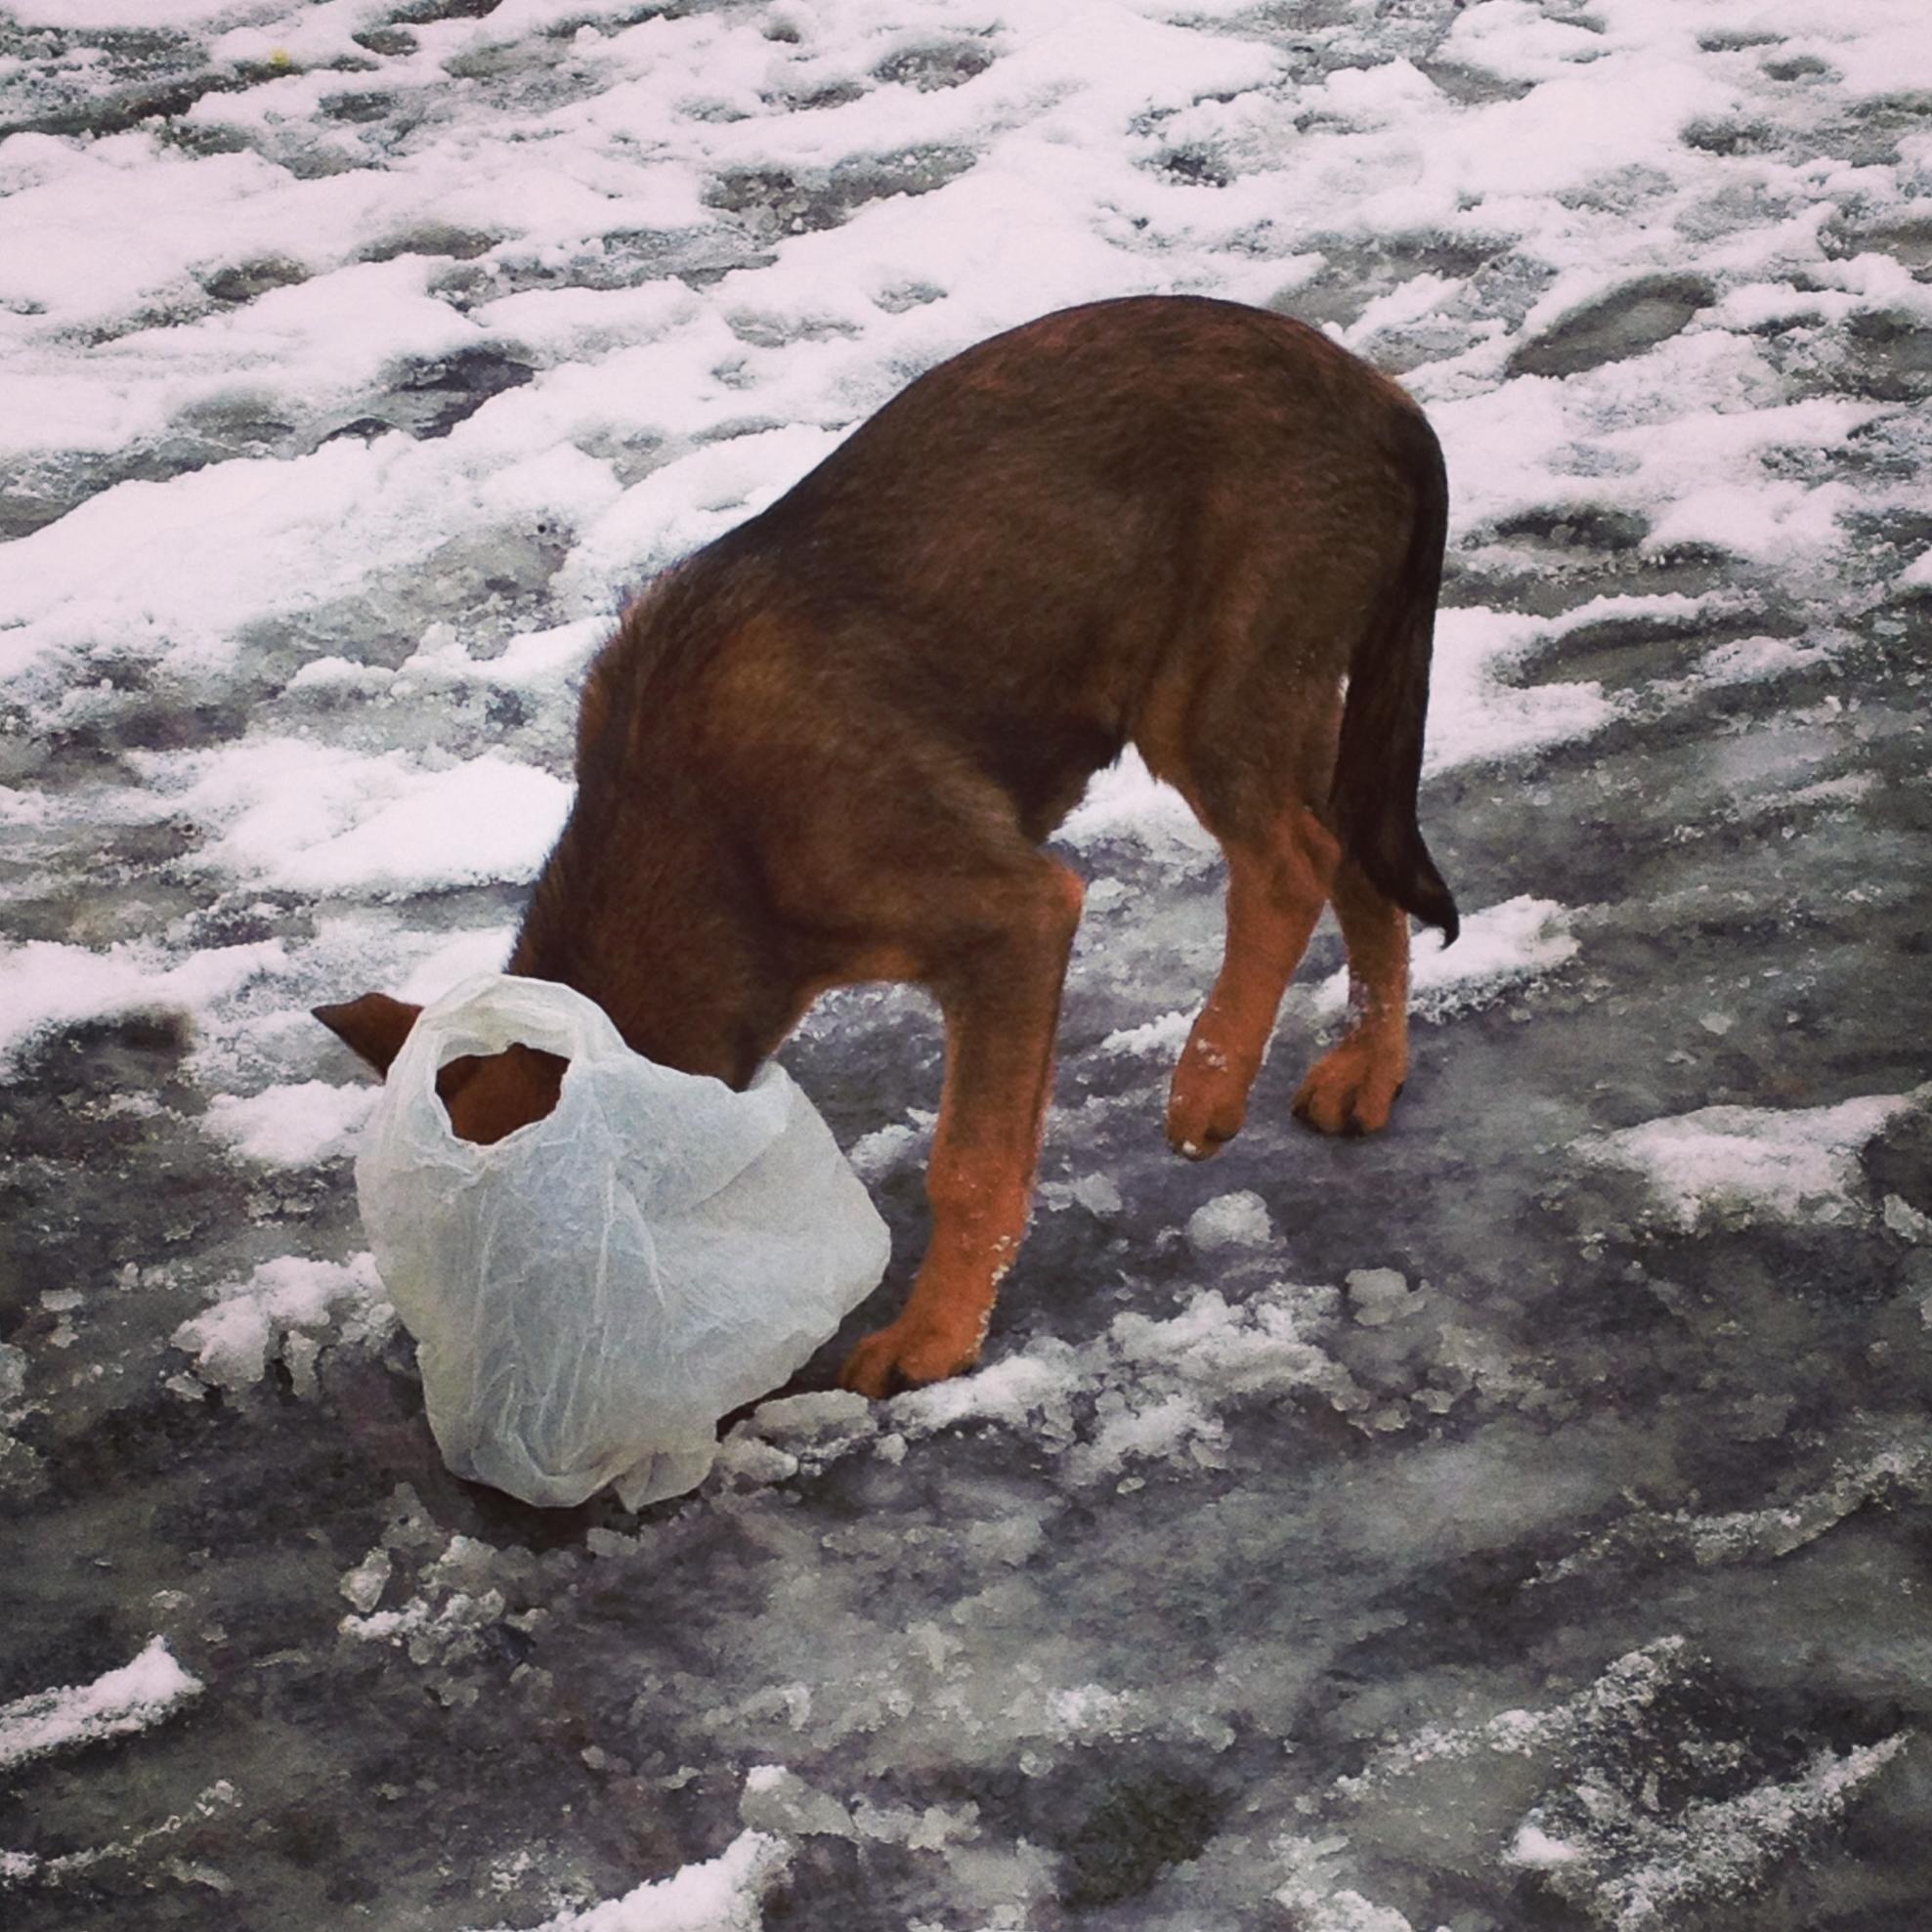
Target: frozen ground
x=1519, y=1521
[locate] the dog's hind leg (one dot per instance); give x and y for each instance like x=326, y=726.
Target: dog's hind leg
x=994, y=946
x=1351, y=1089
x=1277, y=884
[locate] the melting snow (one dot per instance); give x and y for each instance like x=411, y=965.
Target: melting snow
x=1717, y=1164
x=285, y=1312
x=724, y=1894
x=131, y=1698
x=292, y=1126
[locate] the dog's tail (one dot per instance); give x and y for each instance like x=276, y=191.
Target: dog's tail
x=1379, y=764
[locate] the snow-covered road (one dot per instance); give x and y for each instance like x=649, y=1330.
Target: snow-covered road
x=1517, y=1520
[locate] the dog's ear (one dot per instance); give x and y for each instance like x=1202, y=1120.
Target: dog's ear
x=375, y=1026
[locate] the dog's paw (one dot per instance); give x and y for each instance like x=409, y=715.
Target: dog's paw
x=904, y=1357
x=1207, y=1102
x=1349, y=1091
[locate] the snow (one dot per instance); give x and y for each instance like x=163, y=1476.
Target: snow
x=719, y=1894
x=1161, y=1392
x=296, y=815
x=1500, y=949
x=286, y=1310
x=49, y=985
x=1478, y=716
x=1378, y=1296
x=292, y=1126
x=139, y=1694
x=1726, y=1163
x=1231, y=1221
x=1641, y=1873
x=1737, y=1536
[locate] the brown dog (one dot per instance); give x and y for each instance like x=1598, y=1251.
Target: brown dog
x=827, y=747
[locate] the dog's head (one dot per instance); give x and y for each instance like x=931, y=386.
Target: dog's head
x=486, y=1095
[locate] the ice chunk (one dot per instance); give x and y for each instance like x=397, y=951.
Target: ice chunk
x=1378, y=1296
x=779, y=1800
x=282, y=1312
x=364, y=1584
x=591, y=1293
x=1231, y=1221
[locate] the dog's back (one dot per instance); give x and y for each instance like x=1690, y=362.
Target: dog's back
x=1166, y=521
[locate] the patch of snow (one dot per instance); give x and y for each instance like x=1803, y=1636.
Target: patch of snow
x=1901, y=1469
x=1144, y=1392
x=1638, y=1870
x=1379, y=1295
x=286, y=1311
x=1534, y=1847
x=139, y=1694
x=1162, y=1037
x=1905, y=1221
x=884, y=1150
x=1748, y=659
x=310, y=818
x=48, y=986
x=1500, y=949
x=1728, y=1163
x=293, y=1126
x=364, y=1584
x=1315, y=1897
x=1095, y=1193
x=724, y=1894
x=1127, y=800
x=1629, y=1684
x=779, y=1801
x=1476, y=716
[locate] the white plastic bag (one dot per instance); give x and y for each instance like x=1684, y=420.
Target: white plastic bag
x=590, y=1294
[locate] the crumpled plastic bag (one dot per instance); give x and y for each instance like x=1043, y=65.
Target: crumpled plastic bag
x=591, y=1294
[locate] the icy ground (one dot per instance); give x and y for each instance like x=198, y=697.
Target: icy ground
x=1519, y=1521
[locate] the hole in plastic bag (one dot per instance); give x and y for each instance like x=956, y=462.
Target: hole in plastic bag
x=490, y=1096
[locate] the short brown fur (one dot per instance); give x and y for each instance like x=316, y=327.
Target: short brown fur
x=827, y=747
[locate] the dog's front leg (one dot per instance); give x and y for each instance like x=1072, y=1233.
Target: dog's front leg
x=1000, y=997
